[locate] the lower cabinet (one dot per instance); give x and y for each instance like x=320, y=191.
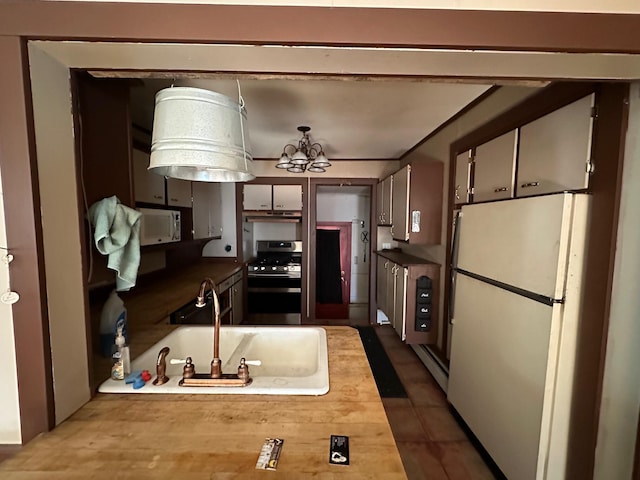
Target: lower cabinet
x=407, y=292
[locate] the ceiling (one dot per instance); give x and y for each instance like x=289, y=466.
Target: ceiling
x=351, y=119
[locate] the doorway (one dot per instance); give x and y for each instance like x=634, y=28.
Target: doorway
x=333, y=270
x=339, y=222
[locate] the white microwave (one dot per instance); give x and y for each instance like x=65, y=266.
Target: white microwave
x=159, y=226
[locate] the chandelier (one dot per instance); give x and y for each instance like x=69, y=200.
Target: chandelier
x=306, y=156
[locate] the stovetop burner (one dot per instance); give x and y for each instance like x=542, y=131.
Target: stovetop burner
x=278, y=258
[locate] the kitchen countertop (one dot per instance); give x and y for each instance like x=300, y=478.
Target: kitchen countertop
x=195, y=437
x=153, y=302
x=404, y=259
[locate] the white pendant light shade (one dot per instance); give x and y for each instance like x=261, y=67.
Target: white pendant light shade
x=299, y=158
x=284, y=162
x=321, y=161
x=200, y=135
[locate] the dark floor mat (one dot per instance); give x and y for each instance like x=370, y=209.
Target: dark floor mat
x=387, y=380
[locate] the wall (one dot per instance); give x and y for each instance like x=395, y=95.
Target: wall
x=621, y=384
x=55, y=151
x=10, y=418
x=620, y=6
x=437, y=149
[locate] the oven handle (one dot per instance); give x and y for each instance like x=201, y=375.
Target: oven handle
x=274, y=290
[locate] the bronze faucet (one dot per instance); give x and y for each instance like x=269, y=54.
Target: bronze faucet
x=216, y=363
x=216, y=377
x=161, y=367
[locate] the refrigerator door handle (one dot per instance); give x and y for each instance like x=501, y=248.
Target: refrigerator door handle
x=454, y=263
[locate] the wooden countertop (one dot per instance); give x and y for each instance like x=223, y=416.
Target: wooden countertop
x=153, y=302
x=404, y=259
x=195, y=437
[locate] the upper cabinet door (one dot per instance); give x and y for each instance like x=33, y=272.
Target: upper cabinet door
x=400, y=204
x=178, y=192
x=555, y=150
x=257, y=197
x=148, y=186
x=387, y=201
x=494, y=163
x=287, y=197
x=461, y=187
x=207, y=210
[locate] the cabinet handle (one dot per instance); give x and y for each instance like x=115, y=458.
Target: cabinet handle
x=173, y=199
x=279, y=206
x=529, y=184
x=157, y=197
x=457, y=192
x=500, y=189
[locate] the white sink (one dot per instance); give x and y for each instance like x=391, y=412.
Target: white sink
x=294, y=360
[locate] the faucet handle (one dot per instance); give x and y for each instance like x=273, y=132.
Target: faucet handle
x=189, y=369
x=243, y=369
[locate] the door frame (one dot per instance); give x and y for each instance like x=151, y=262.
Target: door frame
x=312, y=213
x=344, y=228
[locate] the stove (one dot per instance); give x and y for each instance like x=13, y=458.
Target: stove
x=277, y=258
x=274, y=283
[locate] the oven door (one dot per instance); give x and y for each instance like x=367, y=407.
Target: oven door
x=274, y=300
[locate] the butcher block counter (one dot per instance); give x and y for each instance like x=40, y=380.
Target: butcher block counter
x=193, y=437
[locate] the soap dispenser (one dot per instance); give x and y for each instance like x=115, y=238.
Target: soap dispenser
x=123, y=348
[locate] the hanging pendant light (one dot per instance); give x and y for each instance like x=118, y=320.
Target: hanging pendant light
x=200, y=135
x=306, y=157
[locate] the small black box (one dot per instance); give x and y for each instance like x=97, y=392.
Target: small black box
x=339, y=450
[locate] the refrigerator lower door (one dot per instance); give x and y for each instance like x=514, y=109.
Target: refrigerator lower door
x=499, y=354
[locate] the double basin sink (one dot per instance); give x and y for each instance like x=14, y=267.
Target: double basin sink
x=293, y=360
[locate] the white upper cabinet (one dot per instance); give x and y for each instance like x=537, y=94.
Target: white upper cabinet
x=462, y=187
x=257, y=197
x=148, y=186
x=386, y=201
x=287, y=197
x=555, y=150
x=494, y=164
x=207, y=210
x=178, y=192
x=400, y=204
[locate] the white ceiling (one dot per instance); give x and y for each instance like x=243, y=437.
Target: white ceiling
x=370, y=103
x=368, y=119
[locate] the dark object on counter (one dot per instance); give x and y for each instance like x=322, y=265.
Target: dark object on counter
x=387, y=380
x=339, y=450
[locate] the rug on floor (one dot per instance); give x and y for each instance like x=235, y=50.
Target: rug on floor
x=387, y=380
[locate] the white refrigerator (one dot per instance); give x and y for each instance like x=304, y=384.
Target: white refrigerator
x=516, y=314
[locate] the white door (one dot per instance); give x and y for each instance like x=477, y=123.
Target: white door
x=257, y=197
x=207, y=210
x=287, y=197
x=400, y=301
x=400, y=204
x=461, y=186
x=555, y=150
x=522, y=242
x=387, y=201
x=494, y=164
x=148, y=186
x=499, y=351
x=178, y=192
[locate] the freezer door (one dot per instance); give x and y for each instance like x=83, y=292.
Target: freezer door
x=523, y=242
x=499, y=356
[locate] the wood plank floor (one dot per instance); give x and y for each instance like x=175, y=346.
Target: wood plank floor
x=431, y=443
